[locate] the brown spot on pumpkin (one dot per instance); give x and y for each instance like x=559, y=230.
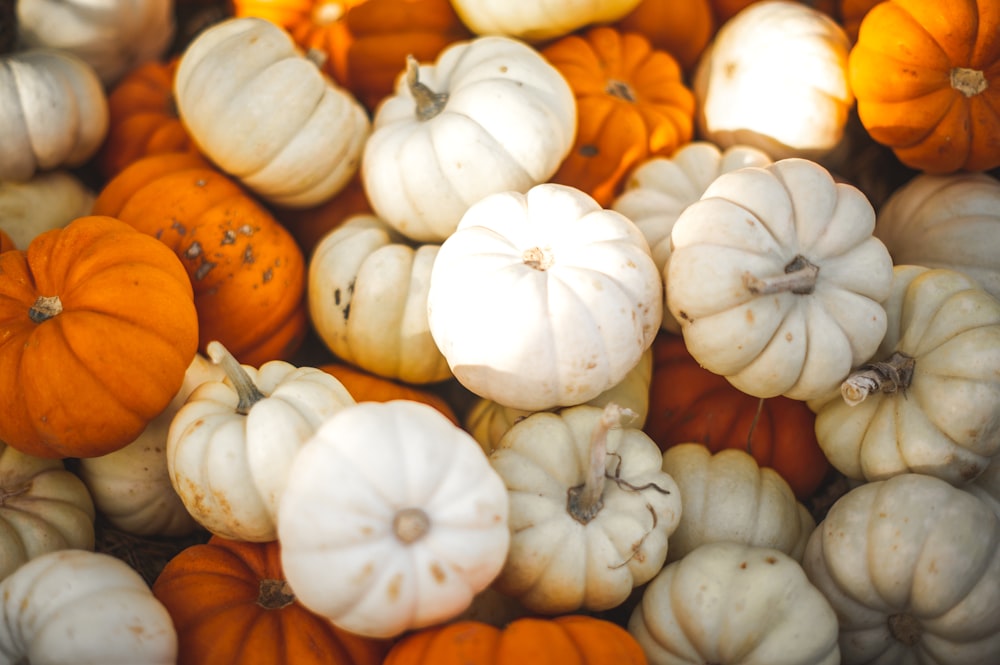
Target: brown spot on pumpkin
x=392, y=591
x=203, y=270
x=750, y=316
x=684, y=315
x=228, y=237
x=193, y=251
x=729, y=69
x=346, y=311
x=503, y=69
x=588, y=150
x=267, y=276
x=248, y=256
x=437, y=573
x=200, y=182
x=771, y=560
x=177, y=227
x=743, y=565
x=246, y=230
x=336, y=297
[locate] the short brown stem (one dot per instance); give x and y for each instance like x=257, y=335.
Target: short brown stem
x=429, y=103
x=537, y=258
x=904, y=628
x=894, y=374
x=585, y=501
x=410, y=525
x=799, y=278
x=620, y=89
x=248, y=393
x=45, y=308
x=274, y=594
x=969, y=82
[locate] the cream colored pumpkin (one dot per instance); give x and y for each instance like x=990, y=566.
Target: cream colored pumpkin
x=775, y=77
x=75, y=607
x=53, y=112
x=367, y=299
x=393, y=519
x=946, y=221
x=590, y=509
x=912, y=568
x=538, y=20
x=660, y=188
x=726, y=496
x=776, y=279
x=43, y=508
x=986, y=487
x=489, y=115
x=49, y=200
x=113, y=36
x=266, y=115
x=488, y=421
x=735, y=604
x=543, y=299
x=230, y=447
x=928, y=401
x=131, y=487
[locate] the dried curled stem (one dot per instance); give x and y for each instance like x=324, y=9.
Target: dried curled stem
x=799, y=278
x=248, y=392
x=429, y=103
x=894, y=374
x=44, y=308
x=586, y=500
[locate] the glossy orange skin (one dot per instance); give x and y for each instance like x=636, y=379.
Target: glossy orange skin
x=561, y=640
x=88, y=380
x=632, y=104
x=367, y=387
x=902, y=72
x=688, y=403
x=212, y=591
x=247, y=271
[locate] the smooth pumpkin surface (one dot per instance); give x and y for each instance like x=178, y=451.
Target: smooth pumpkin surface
x=97, y=328
x=6, y=242
x=367, y=387
x=231, y=605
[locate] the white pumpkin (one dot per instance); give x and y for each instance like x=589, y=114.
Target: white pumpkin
x=367, y=299
x=777, y=280
x=490, y=115
x=43, y=508
x=53, y=112
x=775, y=77
x=75, y=607
x=591, y=510
x=393, y=519
x=928, y=401
x=946, y=221
x=230, y=447
x=659, y=189
x=735, y=604
x=112, y=36
x=49, y=200
x=131, y=487
x=912, y=568
x=543, y=299
x=986, y=487
x=538, y=20
x=267, y=115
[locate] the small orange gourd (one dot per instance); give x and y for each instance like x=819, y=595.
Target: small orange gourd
x=367, y=387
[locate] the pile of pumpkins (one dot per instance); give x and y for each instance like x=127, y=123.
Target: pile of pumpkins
x=614, y=331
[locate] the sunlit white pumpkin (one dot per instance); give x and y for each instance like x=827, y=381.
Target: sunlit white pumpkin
x=49, y=200
x=538, y=20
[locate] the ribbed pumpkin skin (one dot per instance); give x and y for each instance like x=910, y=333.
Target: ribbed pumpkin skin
x=688, y=403
x=86, y=381
x=631, y=104
x=561, y=640
x=904, y=68
x=213, y=593
x=247, y=271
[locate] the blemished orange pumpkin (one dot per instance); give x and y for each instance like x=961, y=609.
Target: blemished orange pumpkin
x=231, y=605
x=688, y=403
x=363, y=44
x=569, y=639
x=926, y=76
x=631, y=103
x=143, y=118
x=97, y=328
x=367, y=387
x=247, y=270
x=309, y=225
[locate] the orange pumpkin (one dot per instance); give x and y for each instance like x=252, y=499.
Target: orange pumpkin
x=631, y=104
x=231, y=606
x=366, y=387
x=569, y=639
x=926, y=76
x=143, y=118
x=247, y=271
x=363, y=44
x=688, y=403
x=6, y=242
x=97, y=328
x=850, y=13
x=309, y=225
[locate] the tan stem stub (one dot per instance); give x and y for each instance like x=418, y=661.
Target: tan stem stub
x=799, y=278
x=410, y=525
x=538, y=258
x=585, y=501
x=904, y=628
x=247, y=391
x=274, y=594
x=969, y=82
x=45, y=308
x=620, y=89
x=429, y=103
x=317, y=56
x=894, y=374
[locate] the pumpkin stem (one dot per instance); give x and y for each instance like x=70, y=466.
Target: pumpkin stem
x=753, y=424
x=429, y=103
x=274, y=594
x=45, y=308
x=620, y=89
x=316, y=56
x=11, y=492
x=537, y=258
x=969, y=82
x=586, y=500
x=410, y=524
x=893, y=374
x=249, y=394
x=799, y=278
x=905, y=629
